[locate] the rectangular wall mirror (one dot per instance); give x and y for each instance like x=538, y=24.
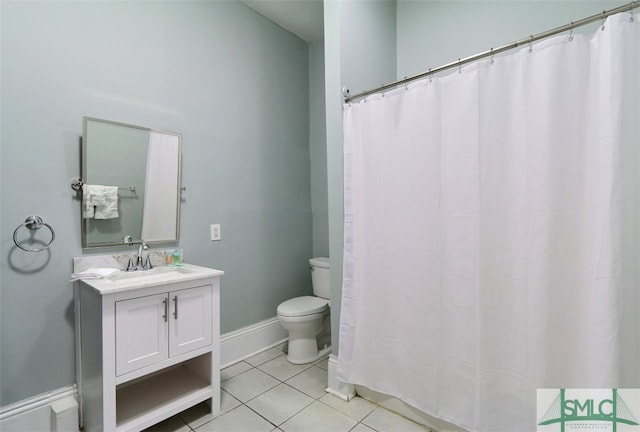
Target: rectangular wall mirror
x=145, y=167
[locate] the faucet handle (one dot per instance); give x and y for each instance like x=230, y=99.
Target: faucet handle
x=147, y=263
x=130, y=266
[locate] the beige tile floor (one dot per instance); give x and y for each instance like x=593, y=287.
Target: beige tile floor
x=266, y=393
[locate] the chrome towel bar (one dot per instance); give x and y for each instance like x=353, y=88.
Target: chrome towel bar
x=77, y=183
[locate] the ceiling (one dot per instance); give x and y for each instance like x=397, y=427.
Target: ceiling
x=304, y=18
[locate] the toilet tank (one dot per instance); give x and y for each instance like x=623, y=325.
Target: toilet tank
x=320, y=277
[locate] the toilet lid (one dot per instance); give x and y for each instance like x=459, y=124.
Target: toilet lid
x=300, y=306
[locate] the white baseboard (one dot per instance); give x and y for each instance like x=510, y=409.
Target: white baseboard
x=245, y=342
x=55, y=411
x=336, y=387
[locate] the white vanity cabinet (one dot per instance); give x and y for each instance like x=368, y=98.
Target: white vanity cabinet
x=147, y=346
x=154, y=328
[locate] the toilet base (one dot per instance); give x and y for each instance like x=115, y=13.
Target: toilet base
x=316, y=354
x=309, y=337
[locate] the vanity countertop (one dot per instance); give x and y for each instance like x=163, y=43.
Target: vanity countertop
x=125, y=281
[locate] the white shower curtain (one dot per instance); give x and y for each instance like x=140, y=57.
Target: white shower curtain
x=492, y=231
x=159, y=221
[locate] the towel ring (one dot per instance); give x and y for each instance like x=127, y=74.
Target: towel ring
x=33, y=223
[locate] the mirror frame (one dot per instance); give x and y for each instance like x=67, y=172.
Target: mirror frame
x=84, y=169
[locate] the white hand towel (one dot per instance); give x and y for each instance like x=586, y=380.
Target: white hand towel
x=87, y=202
x=108, y=207
x=101, y=202
x=94, y=273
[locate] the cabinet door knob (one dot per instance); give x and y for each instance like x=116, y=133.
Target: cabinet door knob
x=175, y=307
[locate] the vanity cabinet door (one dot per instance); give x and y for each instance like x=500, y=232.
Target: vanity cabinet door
x=141, y=332
x=190, y=319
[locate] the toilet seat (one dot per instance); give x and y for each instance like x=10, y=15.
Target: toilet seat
x=301, y=306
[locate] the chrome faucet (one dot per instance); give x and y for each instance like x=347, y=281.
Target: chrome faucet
x=141, y=248
x=141, y=263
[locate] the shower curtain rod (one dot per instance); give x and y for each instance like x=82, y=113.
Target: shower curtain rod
x=601, y=16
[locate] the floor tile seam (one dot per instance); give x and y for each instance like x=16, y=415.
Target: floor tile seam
x=316, y=366
x=260, y=364
x=215, y=418
x=310, y=365
x=288, y=418
x=363, y=421
x=220, y=414
x=276, y=378
x=364, y=424
x=230, y=409
x=336, y=411
x=427, y=428
x=266, y=361
x=249, y=370
x=359, y=421
x=291, y=417
x=237, y=375
x=339, y=413
x=179, y=415
x=260, y=415
x=302, y=391
x=256, y=396
x=368, y=415
x=246, y=360
x=280, y=380
x=241, y=361
x=302, y=409
x=185, y=423
x=317, y=362
x=392, y=412
x=288, y=378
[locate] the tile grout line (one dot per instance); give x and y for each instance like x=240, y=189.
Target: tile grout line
x=279, y=381
x=288, y=418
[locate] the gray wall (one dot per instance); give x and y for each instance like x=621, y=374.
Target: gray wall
x=318, y=149
x=234, y=84
x=436, y=32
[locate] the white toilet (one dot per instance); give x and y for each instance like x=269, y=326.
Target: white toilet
x=307, y=318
